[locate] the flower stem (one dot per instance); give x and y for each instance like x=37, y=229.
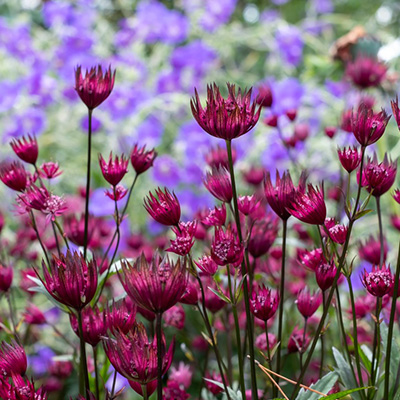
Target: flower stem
x=321, y=366
x=391, y=323
x=250, y=335
x=12, y=315
x=96, y=372
x=382, y=244
x=302, y=350
x=144, y=391
x=268, y=349
x=84, y=370
x=35, y=228
x=377, y=346
x=56, y=238
x=87, y=194
x=238, y=341
x=159, y=355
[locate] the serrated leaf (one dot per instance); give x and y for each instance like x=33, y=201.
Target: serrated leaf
x=340, y=395
x=324, y=385
x=220, y=295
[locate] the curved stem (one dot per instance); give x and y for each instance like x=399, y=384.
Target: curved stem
x=87, y=194
x=381, y=241
x=391, y=323
x=254, y=393
x=84, y=370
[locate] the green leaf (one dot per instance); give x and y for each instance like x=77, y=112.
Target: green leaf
x=395, y=352
x=324, y=385
x=345, y=372
x=220, y=295
x=340, y=395
x=362, y=213
x=239, y=288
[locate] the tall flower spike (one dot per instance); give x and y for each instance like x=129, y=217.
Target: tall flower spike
x=135, y=357
x=141, y=159
x=115, y=169
x=379, y=281
x=368, y=127
x=14, y=176
x=94, y=87
x=71, y=280
x=281, y=196
x=155, y=286
x=226, y=118
x=26, y=149
x=218, y=183
x=309, y=207
x=164, y=208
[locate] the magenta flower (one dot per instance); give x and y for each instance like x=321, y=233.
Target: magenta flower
x=338, y=233
x=74, y=228
x=379, y=281
x=33, y=315
x=296, y=342
x=226, y=118
x=114, y=170
x=254, y=176
x=263, y=235
x=226, y=247
x=71, y=280
x=366, y=72
x=26, y=149
x=121, y=315
x=6, y=277
x=396, y=196
x=282, y=195
x=212, y=387
x=135, y=357
x=350, y=158
x=14, y=176
x=191, y=296
x=181, y=375
x=248, y=204
x=265, y=97
x=95, y=86
x=396, y=110
x=307, y=302
x=264, y=302
x=116, y=193
x=309, y=207
x=325, y=274
x=367, y=126
x=20, y=388
x=215, y=217
x=184, y=241
x=164, y=208
x=218, y=183
x=371, y=250
x=175, y=317
x=218, y=157
x=312, y=259
x=49, y=170
x=155, y=286
x=12, y=359
x=378, y=178
x=141, y=159
x=207, y=265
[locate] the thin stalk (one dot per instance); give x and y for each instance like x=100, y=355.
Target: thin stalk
x=34, y=226
x=144, y=392
x=321, y=366
x=238, y=341
x=12, y=315
x=159, y=355
x=83, y=359
x=303, y=342
x=56, y=238
x=244, y=274
x=207, y=356
x=87, y=194
x=113, y=384
x=377, y=346
x=378, y=210
x=391, y=324
x=281, y=301
x=62, y=233
x=268, y=349
x=96, y=372
x=228, y=346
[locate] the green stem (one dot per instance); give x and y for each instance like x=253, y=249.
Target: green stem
x=254, y=393
x=144, y=391
x=12, y=316
x=321, y=366
x=96, y=372
x=61, y=233
x=159, y=355
x=381, y=241
x=56, y=238
x=391, y=324
x=377, y=346
x=302, y=350
x=87, y=194
x=84, y=370
x=238, y=341
x=34, y=226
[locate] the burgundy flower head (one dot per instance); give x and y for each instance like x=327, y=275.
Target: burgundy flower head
x=33, y=315
x=218, y=157
x=371, y=250
x=142, y=159
x=378, y=178
x=366, y=72
x=281, y=195
x=226, y=118
x=184, y=238
x=254, y=176
x=263, y=236
x=49, y=170
x=396, y=195
x=296, y=342
x=312, y=259
x=212, y=387
x=115, y=169
x=218, y=183
x=307, y=302
x=226, y=247
x=325, y=274
x=116, y=193
x=164, y=208
x=396, y=110
x=13, y=359
x=74, y=228
x=350, y=158
x=215, y=217
x=155, y=286
x=135, y=357
x=14, y=176
x=379, y=281
x=175, y=317
x=309, y=207
x=265, y=97
x=367, y=126
x=20, y=388
x=264, y=302
x=121, y=315
x=71, y=280
x=26, y=149
x=338, y=233
x=6, y=277
x=207, y=265
x=191, y=296
x=248, y=204
x=94, y=87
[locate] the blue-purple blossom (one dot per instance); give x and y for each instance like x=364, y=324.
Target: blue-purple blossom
x=289, y=44
x=166, y=171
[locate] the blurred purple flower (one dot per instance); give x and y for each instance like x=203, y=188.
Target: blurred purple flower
x=10, y=92
x=96, y=124
x=32, y=120
x=269, y=16
x=279, y=2
x=169, y=81
x=166, y=171
x=337, y=89
x=287, y=95
x=289, y=43
x=120, y=382
x=41, y=360
x=102, y=206
x=148, y=133
x=191, y=201
x=217, y=13
x=322, y=6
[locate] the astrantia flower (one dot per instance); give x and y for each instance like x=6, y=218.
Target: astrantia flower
x=263, y=235
x=218, y=157
x=226, y=247
x=74, y=228
x=135, y=357
x=248, y=204
x=70, y=280
x=20, y=388
x=215, y=217
x=164, y=208
x=218, y=183
x=184, y=238
x=396, y=195
x=115, y=169
x=371, y=250
x=226, y=118
x=12, y=359
x=366, y=72
x=309, y=207
x=265, y=97
x=307, y=302
x=296, y=342
x=94, y=87
x=350, y=158
x=207, y=265
x=379, y=281
x=49, y=170
x=264, y=303
x=6, y=277
x=26, y=149
x=396, y=110
x=141, y=159
x=281, y=195
x=367, y=126
x=175, y=317
x=116, y=193
x=121, y=315
x=156, y=285
x=14, y=176
x=325, y=274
